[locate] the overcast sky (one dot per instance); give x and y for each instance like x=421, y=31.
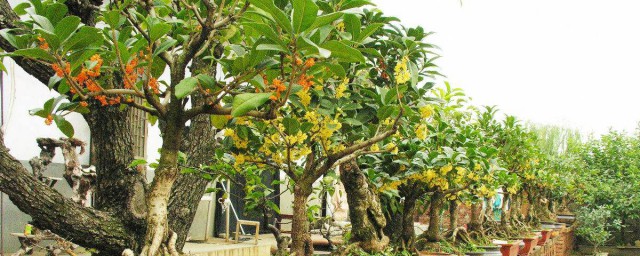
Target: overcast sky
x=574, y=63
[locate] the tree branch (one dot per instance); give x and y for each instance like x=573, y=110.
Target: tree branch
x=50, y=210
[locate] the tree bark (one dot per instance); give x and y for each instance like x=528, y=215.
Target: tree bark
x=407, y=234
x=158, y=233
x=477, y=217
x=300, y=238
x=367, y=219
x=453, y=215
x=505, y=214
x=433, y=233
x=50, y=210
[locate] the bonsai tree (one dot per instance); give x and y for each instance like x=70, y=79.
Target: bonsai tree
x=595, y=225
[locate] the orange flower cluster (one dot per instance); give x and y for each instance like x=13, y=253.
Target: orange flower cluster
x=84, y=104
x=382, y=67
x=278, y=87
x=153, y=84
x=130, y=76
x=305, y=81
x=309, y=63
x=59, y=71
x=43, y=43
x=48, y=120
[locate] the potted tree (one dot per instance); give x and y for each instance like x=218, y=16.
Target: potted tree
x=595, y=226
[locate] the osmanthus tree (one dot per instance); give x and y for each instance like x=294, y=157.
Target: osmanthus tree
x=433, y=162
x=340, y=107
x=517, y=151
x=120, y=63
x=610, y=178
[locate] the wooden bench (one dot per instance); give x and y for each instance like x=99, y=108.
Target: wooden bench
x=248, y=223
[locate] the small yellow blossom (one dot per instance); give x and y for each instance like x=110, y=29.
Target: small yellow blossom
x=341, y=88
x=304, y=96
x=426, y=111
x=401, y=71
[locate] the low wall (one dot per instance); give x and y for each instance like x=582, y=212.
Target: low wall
x=561, y=245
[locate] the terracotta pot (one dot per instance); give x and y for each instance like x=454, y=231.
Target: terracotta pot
x=529, y=244
x=425, y=253
x=546, y=233
x=510, y=248
x=483, y=253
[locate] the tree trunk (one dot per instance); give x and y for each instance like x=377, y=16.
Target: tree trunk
x=199, y=145
x=367, y=219
x=477, y=217
x=504, y=217
x=453, y=215
x=158, y=234
x=300, y=238
x=50, y=210
x=433, y=233
x=407, y=232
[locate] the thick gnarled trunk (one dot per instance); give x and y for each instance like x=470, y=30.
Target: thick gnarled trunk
x=158, y=237
x=50, y=210
x=477, y=217
x=433, y=233
x=367, y=219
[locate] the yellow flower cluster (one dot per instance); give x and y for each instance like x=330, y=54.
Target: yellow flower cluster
x=239, y=159
x=529, y=176
x=374, y=147
x=304, y=96
x=477, y=167
x=341, y=88
x=485, y=192
x=392, y=148
x=401, y=72
x=421, y=131
x=512, y=189
x=446, y=169
x=426, y=111
x=393, y=185
x=237, y=141
x=473, y=176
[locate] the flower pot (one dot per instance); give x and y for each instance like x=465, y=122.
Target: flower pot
x=483, y=253
x=509, y=248
x=425, y=253
x=529, y=244
x=566, y=218
x=546, y=233
x=488, y=250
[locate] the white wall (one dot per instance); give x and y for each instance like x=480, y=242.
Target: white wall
x=22, y=92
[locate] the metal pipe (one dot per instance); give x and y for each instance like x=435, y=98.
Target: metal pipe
x=233, y=208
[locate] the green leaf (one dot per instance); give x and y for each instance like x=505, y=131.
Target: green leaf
x=20, y=9
x=304, y=14
x=158, y=30
x=353, y=122
x=35, y=53
x=343, y=52
x=352, y=25
x=67, y=26
x=186, y=87
x=387, y=111
x=43, y=22
x=356, y=4
x=64, y=126
x=291, y=125
x=55, y=12
x=5, y=33
x=112, y=18
x=368, y=31
x=218, y=121
x=279, y=16
x=324, y=20
x=271, y=47
x=166, y=44
x=136, y=162
x=246, y=102
x=85, y=37
x=265, y=30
